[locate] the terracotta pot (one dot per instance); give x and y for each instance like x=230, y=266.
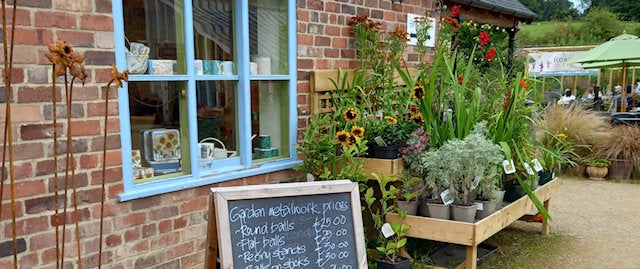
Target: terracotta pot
x=597, y=173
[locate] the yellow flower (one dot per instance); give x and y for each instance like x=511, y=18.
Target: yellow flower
x=561, y=135
x=351, y=115
x=417, y=118
x=390, y=119
x=357, y=131
x=418, y=92
x=343, y=138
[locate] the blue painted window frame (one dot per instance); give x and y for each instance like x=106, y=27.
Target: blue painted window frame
x=244, y=167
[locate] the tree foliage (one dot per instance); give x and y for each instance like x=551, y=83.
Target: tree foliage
x=548, y=10
x=627, y=10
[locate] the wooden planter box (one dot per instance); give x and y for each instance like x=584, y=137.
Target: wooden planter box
x=382, y=166
x=472, y=234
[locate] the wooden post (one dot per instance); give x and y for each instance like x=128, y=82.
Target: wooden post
x=545, y=221
x=471, y=257
x=575, y=85
x=562, y=84
x=212, y=237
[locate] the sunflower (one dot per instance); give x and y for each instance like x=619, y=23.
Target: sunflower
x=162, y=139
x=357, y=131
x=351, y=114
x=390, y=119
x=352, y=141
x=418, y=92
x=417, y=118
x=343, y=138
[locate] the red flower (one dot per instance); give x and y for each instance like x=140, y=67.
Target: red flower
x=507, y=100
x=484, y=38
x=524, y=84
x=460, y=79
x=455, y=11
x=490, y=54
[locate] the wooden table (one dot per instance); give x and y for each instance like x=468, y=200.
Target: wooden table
x=472, y=234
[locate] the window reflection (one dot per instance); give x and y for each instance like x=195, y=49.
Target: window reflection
x=268, y=36
x=270, y=120
x=217, y=112
x=213, y=37
x=157, y=134
x=158, y=25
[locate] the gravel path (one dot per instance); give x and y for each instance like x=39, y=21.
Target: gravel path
x=602, y=221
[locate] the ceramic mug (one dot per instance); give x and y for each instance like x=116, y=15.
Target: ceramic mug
x=226, y=68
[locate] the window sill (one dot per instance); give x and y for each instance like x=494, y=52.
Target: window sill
x=206, y=178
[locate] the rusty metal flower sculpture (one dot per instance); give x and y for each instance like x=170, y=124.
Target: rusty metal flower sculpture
x=62, y=56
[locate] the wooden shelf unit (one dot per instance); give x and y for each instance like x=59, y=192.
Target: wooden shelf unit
x=472, y=234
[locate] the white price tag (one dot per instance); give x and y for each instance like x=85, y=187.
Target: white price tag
x=480, y=206
x=446, y=197
x=536, y=165
x=387, y=231
x=528, y=168
x=508, y=166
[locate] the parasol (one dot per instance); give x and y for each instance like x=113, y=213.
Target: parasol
x=621, y=51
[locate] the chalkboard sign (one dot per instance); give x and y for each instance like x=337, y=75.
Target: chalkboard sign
x=292, y=225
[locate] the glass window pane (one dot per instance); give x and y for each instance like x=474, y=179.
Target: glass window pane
x=158, y=129
x=270, y=120
x=159, y=25
x=213, y=37
x=217, y=120
x=268, y=36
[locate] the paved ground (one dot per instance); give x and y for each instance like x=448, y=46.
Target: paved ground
x=598, y=221
x=602, y=221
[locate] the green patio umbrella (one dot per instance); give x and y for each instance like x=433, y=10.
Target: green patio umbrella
x=621, y=51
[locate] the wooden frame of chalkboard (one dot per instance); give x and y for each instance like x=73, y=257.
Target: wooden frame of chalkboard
x=290, y=225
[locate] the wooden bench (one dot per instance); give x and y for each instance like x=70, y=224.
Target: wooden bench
x=472, y=234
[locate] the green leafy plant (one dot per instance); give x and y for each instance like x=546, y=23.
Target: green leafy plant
x=391, y=130
x=390, y=246
x=411, y=188
x=597, y=162
x=467, y=162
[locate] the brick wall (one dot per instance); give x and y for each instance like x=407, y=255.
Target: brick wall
x=164, y=231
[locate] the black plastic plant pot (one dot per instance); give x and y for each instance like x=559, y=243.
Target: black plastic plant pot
x=389, y=152
x=404, y=263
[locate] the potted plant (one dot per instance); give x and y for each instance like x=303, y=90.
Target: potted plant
x=622, y=148
x=466, y=163
x=490, y=194
x=597, y=168
x=387, y=135
x=389, y=238
x=408, y=195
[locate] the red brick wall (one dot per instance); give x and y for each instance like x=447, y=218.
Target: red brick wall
x=163, y=231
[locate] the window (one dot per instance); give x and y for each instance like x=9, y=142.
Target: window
x=217, y=99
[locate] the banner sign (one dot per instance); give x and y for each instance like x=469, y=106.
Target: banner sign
x=556, y=63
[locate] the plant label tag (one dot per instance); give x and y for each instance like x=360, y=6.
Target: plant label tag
x=380, y=141
x=387, y=231
x=508, y=166
x=528, y=168
x=446, y=197
x=479, y=205
x=536, y=165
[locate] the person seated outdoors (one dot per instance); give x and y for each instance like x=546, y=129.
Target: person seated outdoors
x=567, y=98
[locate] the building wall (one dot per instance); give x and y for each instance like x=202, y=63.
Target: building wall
x=164, y=231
